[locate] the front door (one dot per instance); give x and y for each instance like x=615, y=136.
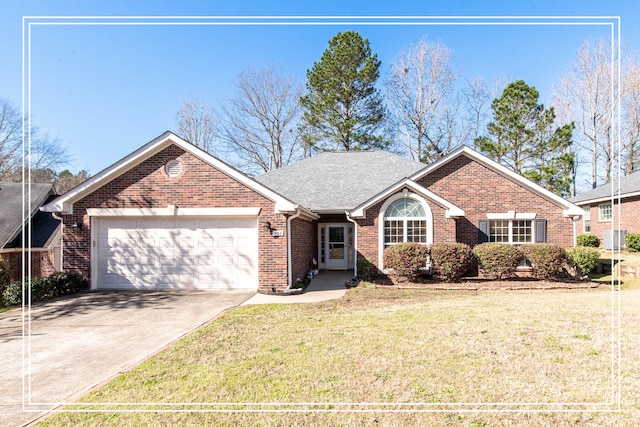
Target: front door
x=337, y=248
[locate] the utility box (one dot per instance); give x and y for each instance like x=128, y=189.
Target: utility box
x=614, y=239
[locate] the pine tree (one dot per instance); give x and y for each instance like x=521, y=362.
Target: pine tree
x=523, y=137
x=343, y=110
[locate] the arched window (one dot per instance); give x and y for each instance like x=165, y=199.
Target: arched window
x=405, y=220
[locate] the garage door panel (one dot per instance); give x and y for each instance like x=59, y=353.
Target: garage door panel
x=170, y=253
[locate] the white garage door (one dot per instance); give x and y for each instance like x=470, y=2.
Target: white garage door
x=176, y=253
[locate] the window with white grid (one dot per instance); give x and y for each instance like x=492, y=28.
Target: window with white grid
x=405, y=221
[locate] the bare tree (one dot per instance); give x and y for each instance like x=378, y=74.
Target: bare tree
x=10, y=138
x=477, y=103
x=260, y=122
x=41, y=154
x=196, y=123
x=630, y=118
x=584, y=95
x=418, y=88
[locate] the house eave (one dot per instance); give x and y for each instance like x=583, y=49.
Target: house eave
x=607, y=198
x=569, y=208
x=451, y=210
x=64, y=203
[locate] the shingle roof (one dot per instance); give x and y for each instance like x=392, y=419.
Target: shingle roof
x=11, y=214
x=629, y=184
x=339, y=181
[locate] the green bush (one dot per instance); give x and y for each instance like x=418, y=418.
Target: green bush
x=366, y=269
x=65, y=283
x=40, y=289
x=632, y=242
x=451, y=261
x=55, y=285
x=583, y=259
x=498, y=260
x=12, y=294
x=547, y=259
x=589, y=240
x=406, y=259
x=5, y=277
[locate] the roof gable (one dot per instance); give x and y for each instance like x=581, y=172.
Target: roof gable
x=15, y=196
x=569, y=209
x=452, y=211
x=339, y=181
x=65, y=202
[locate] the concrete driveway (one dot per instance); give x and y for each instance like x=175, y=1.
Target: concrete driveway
x=77, y=343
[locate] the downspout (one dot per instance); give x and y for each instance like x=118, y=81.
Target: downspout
x=355, y=243
x=289, y=265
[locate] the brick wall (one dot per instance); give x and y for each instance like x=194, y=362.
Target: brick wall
x=479, y=190
x=41, y=265
x=304, y=246
x=198, y=186
x=629, y=211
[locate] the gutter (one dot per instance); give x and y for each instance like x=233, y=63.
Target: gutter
x=289, y=266
x=355, y=243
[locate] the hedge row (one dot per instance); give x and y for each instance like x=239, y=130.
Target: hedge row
x=55, y=285
x=451, y=261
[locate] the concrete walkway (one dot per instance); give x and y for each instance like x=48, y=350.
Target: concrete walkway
x=326, y=286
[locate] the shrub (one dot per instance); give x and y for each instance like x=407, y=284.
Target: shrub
x=589, y=240
x=406, y=259
x=5, y=277
x=583, y=259
x=366, y=269
x=498, y=260
x=40, y=289
x=450, y=261
x=547, y=259
x=65, y=283
x=632, y=242
x=55, y=285
x=12, y=294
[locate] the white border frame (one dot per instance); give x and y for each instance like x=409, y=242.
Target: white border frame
x=613, y=22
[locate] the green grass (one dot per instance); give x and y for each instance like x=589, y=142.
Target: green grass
x=386, y=347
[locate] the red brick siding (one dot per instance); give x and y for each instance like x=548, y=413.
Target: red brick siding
x=629, y=211
x=198, y=186
x=41, y=265
x=304, y=246
x=479, y=190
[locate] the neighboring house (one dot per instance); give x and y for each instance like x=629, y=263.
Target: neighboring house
x=170, y=215
x=602, y=207
x=44, y=230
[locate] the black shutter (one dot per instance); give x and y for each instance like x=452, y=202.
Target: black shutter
x=483, y=231
x=541, y=230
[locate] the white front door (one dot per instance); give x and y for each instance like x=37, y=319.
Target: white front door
x=336, y=246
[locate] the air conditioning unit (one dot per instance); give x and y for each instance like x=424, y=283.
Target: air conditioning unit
x=614, y=239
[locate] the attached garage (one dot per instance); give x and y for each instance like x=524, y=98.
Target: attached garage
x=175, y=252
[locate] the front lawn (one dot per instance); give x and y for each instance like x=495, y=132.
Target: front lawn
x=467, y=358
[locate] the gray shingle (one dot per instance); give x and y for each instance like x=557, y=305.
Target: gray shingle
x=11, y=215
x=338, y=181
x=628, y=184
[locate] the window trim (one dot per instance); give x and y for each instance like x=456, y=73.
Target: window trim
x=600, y=216
x=538, y=227
x=381, y=220
x=586, y=219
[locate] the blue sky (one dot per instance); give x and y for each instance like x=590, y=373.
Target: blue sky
x=105, y=90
